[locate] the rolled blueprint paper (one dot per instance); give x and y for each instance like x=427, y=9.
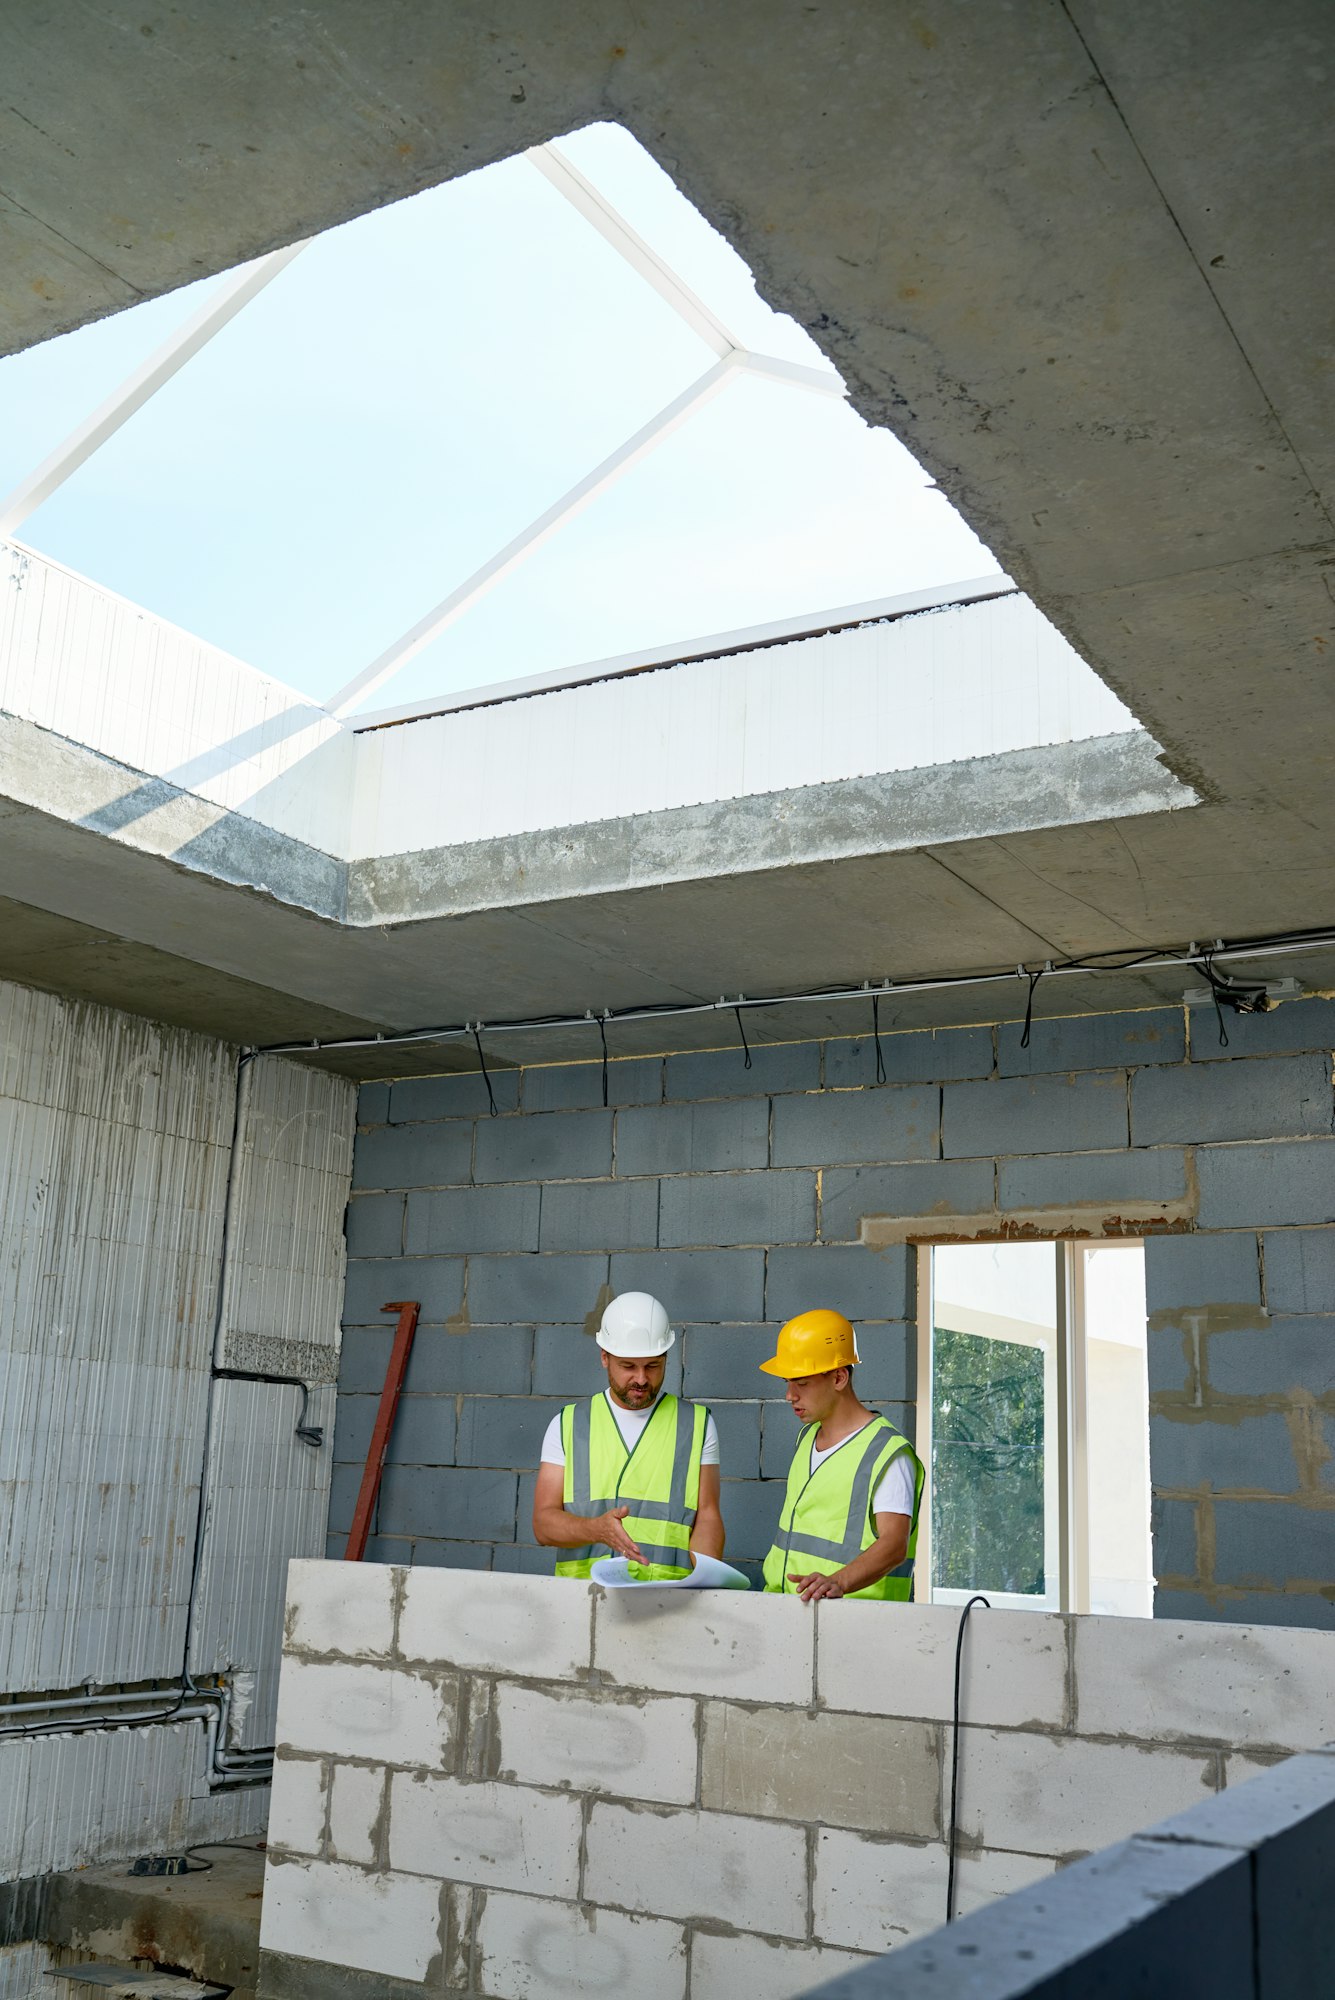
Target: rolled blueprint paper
x=709, y=1574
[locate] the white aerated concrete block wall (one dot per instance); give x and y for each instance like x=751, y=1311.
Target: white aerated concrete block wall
x=516, y=1787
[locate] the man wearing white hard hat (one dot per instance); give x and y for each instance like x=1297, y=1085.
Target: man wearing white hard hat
x=631, y=1470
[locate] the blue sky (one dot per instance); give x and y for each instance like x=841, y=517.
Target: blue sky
x=418, y=385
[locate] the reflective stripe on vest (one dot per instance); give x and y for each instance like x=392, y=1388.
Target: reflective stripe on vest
x=658, y=1479
x=841, y=1504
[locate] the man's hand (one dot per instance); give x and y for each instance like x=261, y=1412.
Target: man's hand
x=609, y=1529
x=814, y=1584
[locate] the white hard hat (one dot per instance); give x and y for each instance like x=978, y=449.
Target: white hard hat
x=635, y=1328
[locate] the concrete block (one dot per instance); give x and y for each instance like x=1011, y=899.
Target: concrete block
x=472, y=1218
x=579, y=1086
x=1230, y=1453
x=1092, y=1041
x=298, y=1805
x=723, y=1072
x=738, y=1426
x=549, y=1146
x=991, y=1874
x=871, y=1894
x=702, y=1285
x=1261, y=1543
x=325, y=1910
x=761, y=1207
x=928, y=1055
x=693, y=1138
x=494, y=1359
x=495, y=1624
x=423, y=1432
x=566, y=1363
x=1176, y=1550
x=1063, y=1795
x=1294, y=1025
x=495, y=1836
x=762, y=1968
x=600, y=1215
x=900, y=1660
x=503, y=1430
x=432, y=1554
x=374, y=1225
x=1290, y=1357
x=933, y=1189
x=522, y=1561
x=1163, y=1680
x=373, y=1104
x=1285, y=1098
x=780, y=1432
x=751, y=1515
x=413, y=1156
x=506, y=1291
x=1247, y=1186
x=356, y=1808
x=709, y=1865
x=461, y=1503
x=437, y=1283
x=462, y=1095
x=343, y=1485
x=532, y=1949
x=1299, y=1609
x=1042, y=1114
x=1138, y=1186
x=709, y=1642
x=850, y=1126
x=332, y=1609
x=723, y=1362
x=1299, y=1270
x=1202, y=1270
x=862, y=1283
x=342, y=1710
x=873, y=1772
x=634, y=1746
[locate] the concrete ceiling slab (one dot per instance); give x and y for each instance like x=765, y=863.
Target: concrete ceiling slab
x=1073, y=255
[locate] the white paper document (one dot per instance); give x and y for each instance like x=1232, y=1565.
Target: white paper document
x=709, y=1574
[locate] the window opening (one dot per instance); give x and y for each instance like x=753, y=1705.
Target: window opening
x=1034, y=1404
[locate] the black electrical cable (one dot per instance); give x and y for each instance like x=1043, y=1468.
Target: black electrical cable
x=492, y=1107
x=746, y=1046
x=953, y=1837
x=1034, y=978
x=876, y=1036
x=602, y=1033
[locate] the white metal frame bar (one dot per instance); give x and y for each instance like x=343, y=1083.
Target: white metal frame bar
x=613, y=227
x=731, y=358
x=668, y=419
x=235, y=293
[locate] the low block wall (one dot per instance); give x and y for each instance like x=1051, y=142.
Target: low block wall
x=517, y=1787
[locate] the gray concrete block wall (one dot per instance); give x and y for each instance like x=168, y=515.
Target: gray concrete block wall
x=740, y=1197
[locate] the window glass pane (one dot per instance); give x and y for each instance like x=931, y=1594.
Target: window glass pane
x=994, y=1403
x=1121, y=1579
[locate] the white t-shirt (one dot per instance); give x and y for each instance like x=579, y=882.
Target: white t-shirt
x=894, y=1495
x=630, y=1423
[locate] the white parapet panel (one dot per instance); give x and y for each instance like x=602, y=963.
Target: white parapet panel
x=108, y=675
x=938, y=687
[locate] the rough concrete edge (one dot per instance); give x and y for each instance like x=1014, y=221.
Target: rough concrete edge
x=52, y=777
x=1066, y=784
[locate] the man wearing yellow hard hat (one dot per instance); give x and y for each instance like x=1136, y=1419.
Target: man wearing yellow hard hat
x=849, y=1525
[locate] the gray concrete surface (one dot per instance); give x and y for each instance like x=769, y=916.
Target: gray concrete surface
x=1066, y=253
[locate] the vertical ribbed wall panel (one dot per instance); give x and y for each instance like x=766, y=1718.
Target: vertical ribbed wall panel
x=113, y=1158
x=22, y=1970
x=115, y=1136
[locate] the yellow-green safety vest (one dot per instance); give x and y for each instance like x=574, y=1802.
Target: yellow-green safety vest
x=827, y=1516
x=659, y=1480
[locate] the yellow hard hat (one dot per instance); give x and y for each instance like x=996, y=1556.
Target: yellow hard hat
x=813, y=1344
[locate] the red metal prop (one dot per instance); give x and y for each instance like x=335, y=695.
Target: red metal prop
x=384, y=1424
